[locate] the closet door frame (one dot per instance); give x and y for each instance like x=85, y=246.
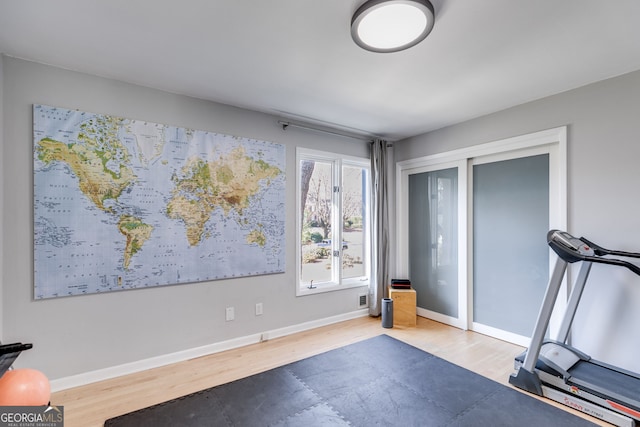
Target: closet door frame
x=552, y=141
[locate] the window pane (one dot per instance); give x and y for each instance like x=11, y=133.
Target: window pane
x=354, y=203
x=316, y=199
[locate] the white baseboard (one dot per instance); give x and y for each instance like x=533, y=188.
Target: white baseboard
x=500, y=334
x=180, y=356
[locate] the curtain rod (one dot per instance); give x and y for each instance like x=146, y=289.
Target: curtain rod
x=286, y=124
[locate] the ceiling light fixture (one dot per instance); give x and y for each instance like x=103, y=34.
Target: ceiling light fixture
x=392, y=25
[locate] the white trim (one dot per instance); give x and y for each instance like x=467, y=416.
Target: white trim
x=511, y=155
x=558, y=219
x=459, y=323
x=331, y=287
x=464, y=293
x=517, y=339
x=184, y=355
x=329, y=156
x=549, y=136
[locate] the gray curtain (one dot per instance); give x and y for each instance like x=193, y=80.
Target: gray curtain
x=380, y=236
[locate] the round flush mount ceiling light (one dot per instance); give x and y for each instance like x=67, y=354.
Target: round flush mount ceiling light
x=392, y=25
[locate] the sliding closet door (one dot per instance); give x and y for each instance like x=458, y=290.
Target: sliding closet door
x=434, y=235
x=510, y=255
x=472, y=226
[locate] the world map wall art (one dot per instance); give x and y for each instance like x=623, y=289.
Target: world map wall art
x=123, y=204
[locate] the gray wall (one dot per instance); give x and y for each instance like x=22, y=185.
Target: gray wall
x=603, y=122
x=78, y=334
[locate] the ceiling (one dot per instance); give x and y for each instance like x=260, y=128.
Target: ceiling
x=296, y=58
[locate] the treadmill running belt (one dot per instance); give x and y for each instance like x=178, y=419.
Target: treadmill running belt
x=584, y=373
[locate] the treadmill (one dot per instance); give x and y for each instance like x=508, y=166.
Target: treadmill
x=553, y=369
x=9, y=353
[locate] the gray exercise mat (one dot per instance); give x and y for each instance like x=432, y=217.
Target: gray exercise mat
x=377, y=382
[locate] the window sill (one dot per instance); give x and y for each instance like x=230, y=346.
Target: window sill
x=323, y=288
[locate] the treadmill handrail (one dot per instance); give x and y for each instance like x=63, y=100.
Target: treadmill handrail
x=614, y=261
x=600, y=251
x=563, y=245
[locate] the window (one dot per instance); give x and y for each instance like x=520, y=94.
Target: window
x=333, y=221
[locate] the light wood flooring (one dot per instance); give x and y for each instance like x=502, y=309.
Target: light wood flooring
x=92, y=404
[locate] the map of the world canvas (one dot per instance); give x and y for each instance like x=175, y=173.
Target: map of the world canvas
x=122, y=204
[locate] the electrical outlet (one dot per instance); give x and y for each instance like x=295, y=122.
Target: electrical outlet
x=259, y=309
x=230, y=314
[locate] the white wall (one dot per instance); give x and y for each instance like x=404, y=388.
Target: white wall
x=79, y=334
x=603, y=205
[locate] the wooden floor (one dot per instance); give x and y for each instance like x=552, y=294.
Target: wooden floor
x=91, y=405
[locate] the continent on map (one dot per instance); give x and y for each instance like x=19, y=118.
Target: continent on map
x=257, y=237
x=97, y=159
x=136, y=232
x=227, y=183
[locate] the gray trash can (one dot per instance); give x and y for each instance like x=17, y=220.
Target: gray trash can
x=387, y=313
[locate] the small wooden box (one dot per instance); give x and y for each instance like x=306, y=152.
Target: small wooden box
x=404, y=306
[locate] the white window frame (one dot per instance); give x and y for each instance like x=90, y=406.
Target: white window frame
x=337, y=282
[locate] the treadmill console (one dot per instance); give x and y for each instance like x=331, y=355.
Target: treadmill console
x=568, y=247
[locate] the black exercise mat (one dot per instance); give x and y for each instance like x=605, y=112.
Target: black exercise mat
x=377, y=382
